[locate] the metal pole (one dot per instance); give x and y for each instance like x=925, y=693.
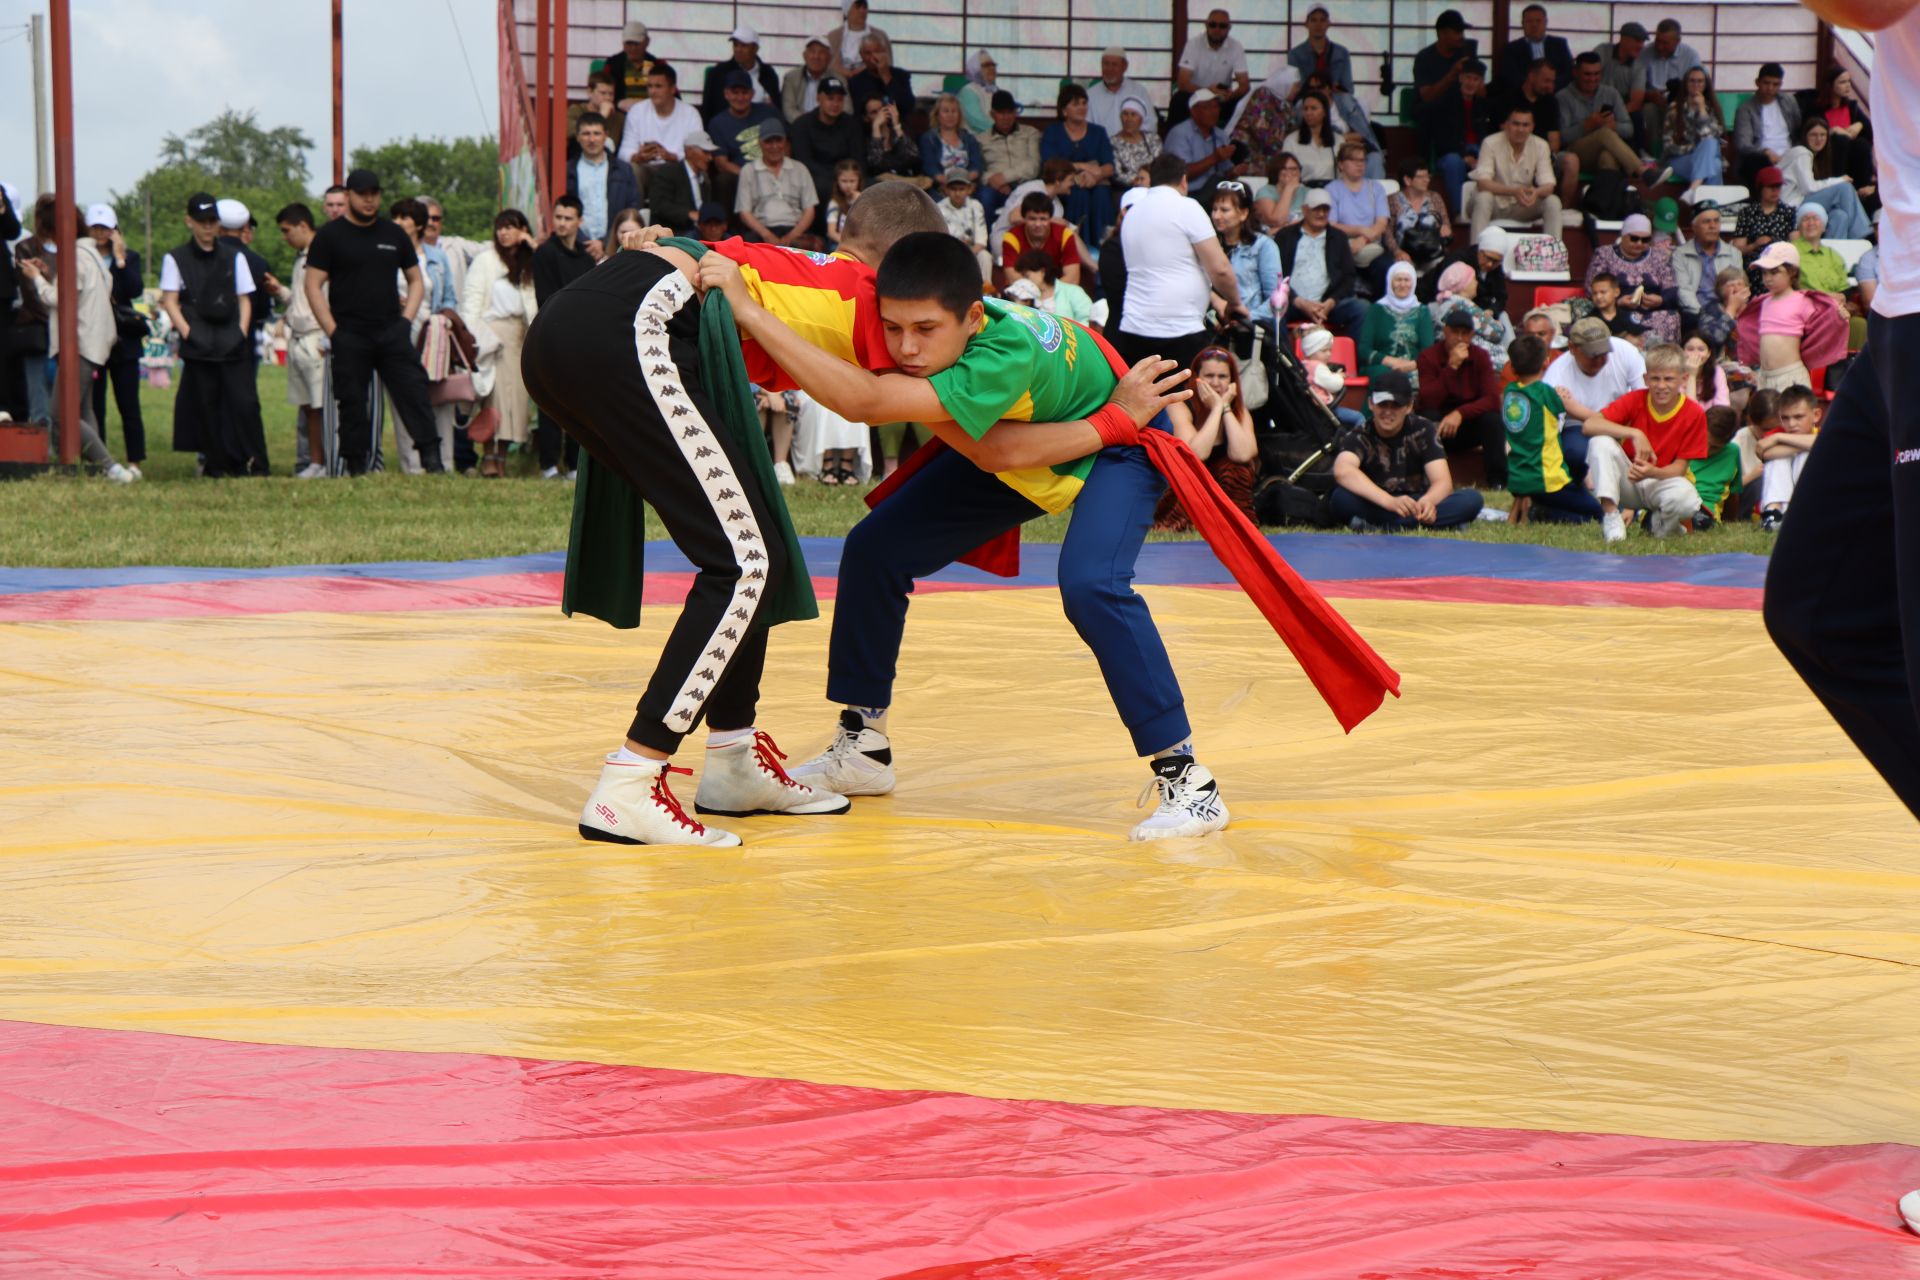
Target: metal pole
x=557, y=140
x=37, y=42
x=339, y=98
x=542, y=72
x=66, y=230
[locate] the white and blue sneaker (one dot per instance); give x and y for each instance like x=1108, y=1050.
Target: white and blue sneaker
x=858, y=762
x=1190, y=803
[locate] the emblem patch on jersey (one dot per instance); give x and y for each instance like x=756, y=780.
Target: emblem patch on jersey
x=1516, y=414
x=817, y=259
x=1045, y=328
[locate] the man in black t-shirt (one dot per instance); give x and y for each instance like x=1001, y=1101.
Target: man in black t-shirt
x=558, y=262
x=367, y=324
x=1392, y=472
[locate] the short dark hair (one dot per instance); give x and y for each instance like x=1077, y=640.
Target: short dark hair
x=415, y=211
x=570, y=202
x=587, y=118
x=1538, y=63
x=1473, y=66
x=664, y=69
x=1526, y=355
x=1518, y=107
x=1410, y=166
x=1534, y=8
x=1036, y=202
x=332, y=189
x=886, y=212
x=1722, y=423
x=1666, y=25
x=1037, y=260
x=1608, y=276
x=1797, y=395
x=1587, y=59
x=1763, y=406
x=931, y=266
x=1054, y=169
x=1068, y=93
x=1166, y=170
x=1770, y=70
x=295, y=215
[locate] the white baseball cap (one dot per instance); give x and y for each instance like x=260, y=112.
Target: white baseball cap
x=744, y=34
x=633, y=33
x=233, y=214
x=102, y=215
x=1317, y=199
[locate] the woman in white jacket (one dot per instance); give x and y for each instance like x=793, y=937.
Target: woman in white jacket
x=1801, y=167
x=498, y=298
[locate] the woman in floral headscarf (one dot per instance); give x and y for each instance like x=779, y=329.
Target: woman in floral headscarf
x=1265, y=118
x=1491, y=333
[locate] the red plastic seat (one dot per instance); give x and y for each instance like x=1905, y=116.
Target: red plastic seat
x=1343, y=353
x=1545, y=295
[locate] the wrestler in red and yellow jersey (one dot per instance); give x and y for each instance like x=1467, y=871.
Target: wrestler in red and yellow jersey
x=827, y=299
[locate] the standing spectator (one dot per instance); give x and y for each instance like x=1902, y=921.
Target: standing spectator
x=1317, y=54
x=1215, y=424
x=411, y=217
x=1543, y=485
x=1649, y=290
x=1212, y=61
x=777, y=202
x=800, y=91
x=1515, y=178
x=1808, y=170
x=1666, y=432
x=1458, y=122
x=1397, y=329
x=458, y=249
x=1622, y=70
x=1698, y=262
x=207, y=292
x=1319, y=270
x=828, y=135
x=676, y=192
x=92, y=305
x=881, y=79
x=500, y=297
x=600, y=102
x=1664, y=64
x=1035, y=280
x=737, y=132
x=602, y=185
x=234, y=225
x=306, y=344
x=1765, y=125
x=946, y=145
x=1535, y=45
x=976, y=96
x=1165, y=302
x=1009, y=153
x=891, y=154
x=367, y=324
x=1791, y=330
x=657, y=127
x=1135, y=146
x=1201, y=145
x=762, y=81
x=1458, y=383
x=1359, y=207
x=558, y=262
x=1038, y=231
x=333, y=203
x=1438, y=67
x=1089, y=205
x=629, y=69
x=1595, y=126
x=1418, y=228
x=850, y=37
x=1392, y=472
x=123, y=365
x=1694, y=130
x=1106, y=95
x=965, y=219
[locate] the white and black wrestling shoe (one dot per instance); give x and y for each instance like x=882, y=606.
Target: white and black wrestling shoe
x=858, y=762
x=1190, y=803
x=744, y=778
x=633, y=805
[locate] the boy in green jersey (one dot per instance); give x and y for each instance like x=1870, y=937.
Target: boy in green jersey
x=1536, y=469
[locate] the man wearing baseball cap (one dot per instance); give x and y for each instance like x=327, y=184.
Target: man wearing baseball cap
x=827, y=135
x=776, y=203
x=1319, y=55
x=762, y=81
x=1597, y=370
x=628, y=68
x=1392, y=473
x=1204, y=146
x=675, y=192
x=207, y=291
x=736, y=130
x=1621, y=68
x=123, y=365
x=1319, y=269
x=1460, y=389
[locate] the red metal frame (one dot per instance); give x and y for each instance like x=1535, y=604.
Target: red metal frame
x=66, y=229
x=339, y=98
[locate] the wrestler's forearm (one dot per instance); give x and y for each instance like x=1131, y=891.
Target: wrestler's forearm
x=1016, y=446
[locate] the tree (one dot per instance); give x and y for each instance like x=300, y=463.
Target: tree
x=462, y=174
x=237, y=152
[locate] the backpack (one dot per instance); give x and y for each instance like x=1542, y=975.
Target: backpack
x=1281, y=502
x=1608, y=197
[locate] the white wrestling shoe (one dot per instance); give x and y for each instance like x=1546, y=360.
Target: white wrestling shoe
x=858, y=762
x=744, y=779
x=633, y=805
x=1190, y=803
x=1910, y=1210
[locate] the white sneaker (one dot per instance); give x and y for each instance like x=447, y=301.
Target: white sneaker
x=744, y=779
x=1910, y=1210
x=121, y=475
x=551, y=473
x=1190, y=803
x=633, y=805
x=134, y=468
x=312, y=471
x=1612, y=527
x=858, y=762
x=783, y=473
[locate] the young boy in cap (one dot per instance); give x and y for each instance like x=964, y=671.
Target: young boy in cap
x=1392, y=472
x=966, y=220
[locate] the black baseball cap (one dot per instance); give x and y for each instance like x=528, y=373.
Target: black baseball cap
x=1473, y=66
x=1450, y=19
x=713, y=211
x=1391, y=387
x=202, y=207
x=363, y=182
x=1003, y=101
x=832, y=84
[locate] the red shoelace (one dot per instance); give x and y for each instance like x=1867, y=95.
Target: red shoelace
x=664, y=797
x=770, y=757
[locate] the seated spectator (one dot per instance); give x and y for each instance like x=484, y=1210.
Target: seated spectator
x=848, y=40
x=675, y=192
x=1045, y=290
x=600, y=101
x=1392, y=472
x=1821, y=268
x=1350, y=123
x=1604, y=292
x=1203, y=145
x=1359, y=206
x=1706, y=380
x=1764, y=220
x=1038, y=230
x=1666, y=433
x=1325, y=379
x=1009, y=154
x=1281, y=201
x=965, y=219
x=1055, y=180
x=777, y=203
x=1792, y=329
x=1540, y=322
x=628, y=69
x=736, y=131
x=800, y=91
x=1313, y=142
x=1852, y=132
x=1267, y=118
x=1418, y=228
x=1458, y=387
x=1720, y=477
x=762, y=81
x=849, y=180
x=880, y=78
x=1694, y=132
x=1810, y=178
x=603, y=185
x=891, y=154
x=1595, y=127
x=712, y=224
x=1515, y=179
x=1135, y=146
x=1644, y=269
x=1665, y=64
x=1317, y=55
x=1490, y=264
x=1534, y=45
x=1107, y=95
x=1319, y=269
x=1256, y=264
x=976, y=96
x=1458, y=124
x=1697, y=265
x=1215, y=424
x=1866, y=277
x=828, y=135
x=946, y=145
x=1765, y=125
x=1212, y=61
x=1073, y=138
x=1397, y=329
x=1456, y=296
x=1543, y=485
x=1784, y=453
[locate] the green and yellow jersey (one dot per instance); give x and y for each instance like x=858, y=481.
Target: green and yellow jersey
x=1532, y=412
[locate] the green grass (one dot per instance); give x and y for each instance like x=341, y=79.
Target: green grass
x=175, y=518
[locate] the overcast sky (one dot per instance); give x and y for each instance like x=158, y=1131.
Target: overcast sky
x=147, y=68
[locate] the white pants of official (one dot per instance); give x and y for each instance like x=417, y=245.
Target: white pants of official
x=1672, y=501
x=409, y=454
x=1778, y=479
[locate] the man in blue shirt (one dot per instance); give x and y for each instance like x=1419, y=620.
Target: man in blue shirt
x=1204, y=146
x=1317, y=53
x=602, y=184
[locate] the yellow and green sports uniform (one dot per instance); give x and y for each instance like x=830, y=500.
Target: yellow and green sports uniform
x=1531, y=413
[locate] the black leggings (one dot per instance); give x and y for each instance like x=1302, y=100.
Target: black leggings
x=614, y=360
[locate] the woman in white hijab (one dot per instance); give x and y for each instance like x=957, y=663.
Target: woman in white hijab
x=976, y=97
x=1135, y=146
x=844, y=40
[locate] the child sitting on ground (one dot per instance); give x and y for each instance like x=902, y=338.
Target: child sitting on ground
x=1537, y=474
x=1718, y=477
x=1784, y=450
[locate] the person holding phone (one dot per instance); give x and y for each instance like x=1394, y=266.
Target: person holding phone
x=1595, y=128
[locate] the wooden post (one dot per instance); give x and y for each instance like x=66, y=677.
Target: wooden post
x=339, y=98
x=66, y=229
x=557, y=119
x=542, y=105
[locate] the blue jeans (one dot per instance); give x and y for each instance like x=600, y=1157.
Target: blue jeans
x=1702, y=164
x=950, y=507
x=38, y=371
x=1573, y=447
x=1846, y=220
x=1574, y=504
x=1451, y=169
x=1457, y=508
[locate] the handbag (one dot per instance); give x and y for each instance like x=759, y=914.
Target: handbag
x=482, y=426
x=457, y=386
x=128, y=323
x=1253, y=377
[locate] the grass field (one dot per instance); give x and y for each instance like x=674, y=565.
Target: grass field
x=174, y=518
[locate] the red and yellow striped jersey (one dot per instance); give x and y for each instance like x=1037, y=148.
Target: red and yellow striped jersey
x=827, y=299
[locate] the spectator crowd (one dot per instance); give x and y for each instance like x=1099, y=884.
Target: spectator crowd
x=1249, y=230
